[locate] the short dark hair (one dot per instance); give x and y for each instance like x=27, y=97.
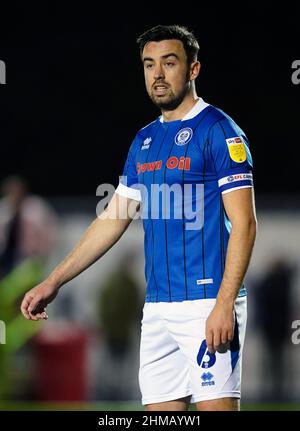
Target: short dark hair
x=163, y=32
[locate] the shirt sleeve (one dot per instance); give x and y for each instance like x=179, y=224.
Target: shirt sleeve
x=129, y=185
x=231, y=156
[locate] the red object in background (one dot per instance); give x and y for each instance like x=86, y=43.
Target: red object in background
x=61, y=362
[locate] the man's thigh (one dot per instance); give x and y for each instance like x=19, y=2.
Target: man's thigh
x=180, y=405
x=221, y=404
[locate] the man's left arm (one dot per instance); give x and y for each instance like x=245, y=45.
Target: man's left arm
x=240, y=208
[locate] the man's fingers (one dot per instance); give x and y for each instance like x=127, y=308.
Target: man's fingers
x=225, y=337
x=217, y=340
x=24, y=306
x=34, y=303
x=31, y=307
x=210, y=341
x=230, y=335
x=39, y=316
x=25, y=313
x=44, y=315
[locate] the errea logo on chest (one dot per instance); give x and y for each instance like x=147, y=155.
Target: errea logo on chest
x=146, y=144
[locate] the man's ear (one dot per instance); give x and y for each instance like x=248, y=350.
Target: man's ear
x=194, y=69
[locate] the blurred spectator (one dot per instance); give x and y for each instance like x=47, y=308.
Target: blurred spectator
x=120, y=307
x=28, y=233
x=28, y=225
x=273, y=317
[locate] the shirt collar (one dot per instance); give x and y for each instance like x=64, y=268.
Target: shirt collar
x=196, y=109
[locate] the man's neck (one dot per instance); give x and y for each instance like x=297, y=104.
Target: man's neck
x=180, y=112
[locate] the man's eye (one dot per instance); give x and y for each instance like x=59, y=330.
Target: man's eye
x=170, y=64
x=149, y=66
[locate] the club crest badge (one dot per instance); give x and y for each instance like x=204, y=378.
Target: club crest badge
x=183, y=136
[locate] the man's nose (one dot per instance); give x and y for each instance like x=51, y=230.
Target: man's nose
x=158, y=73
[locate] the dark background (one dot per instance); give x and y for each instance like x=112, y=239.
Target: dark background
x=75, y=93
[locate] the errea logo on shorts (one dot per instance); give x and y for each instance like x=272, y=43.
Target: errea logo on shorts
x=207, y=379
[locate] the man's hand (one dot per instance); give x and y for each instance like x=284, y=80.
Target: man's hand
x=35, y=301
x=219, y=327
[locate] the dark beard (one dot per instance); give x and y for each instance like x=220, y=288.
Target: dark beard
x=173, y=103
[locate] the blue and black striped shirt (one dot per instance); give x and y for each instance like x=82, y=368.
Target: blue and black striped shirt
x=179, y=170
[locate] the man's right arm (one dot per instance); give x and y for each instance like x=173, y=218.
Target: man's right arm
x=101, y=235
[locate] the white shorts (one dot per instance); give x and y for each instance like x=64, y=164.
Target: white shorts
x=174, y=360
